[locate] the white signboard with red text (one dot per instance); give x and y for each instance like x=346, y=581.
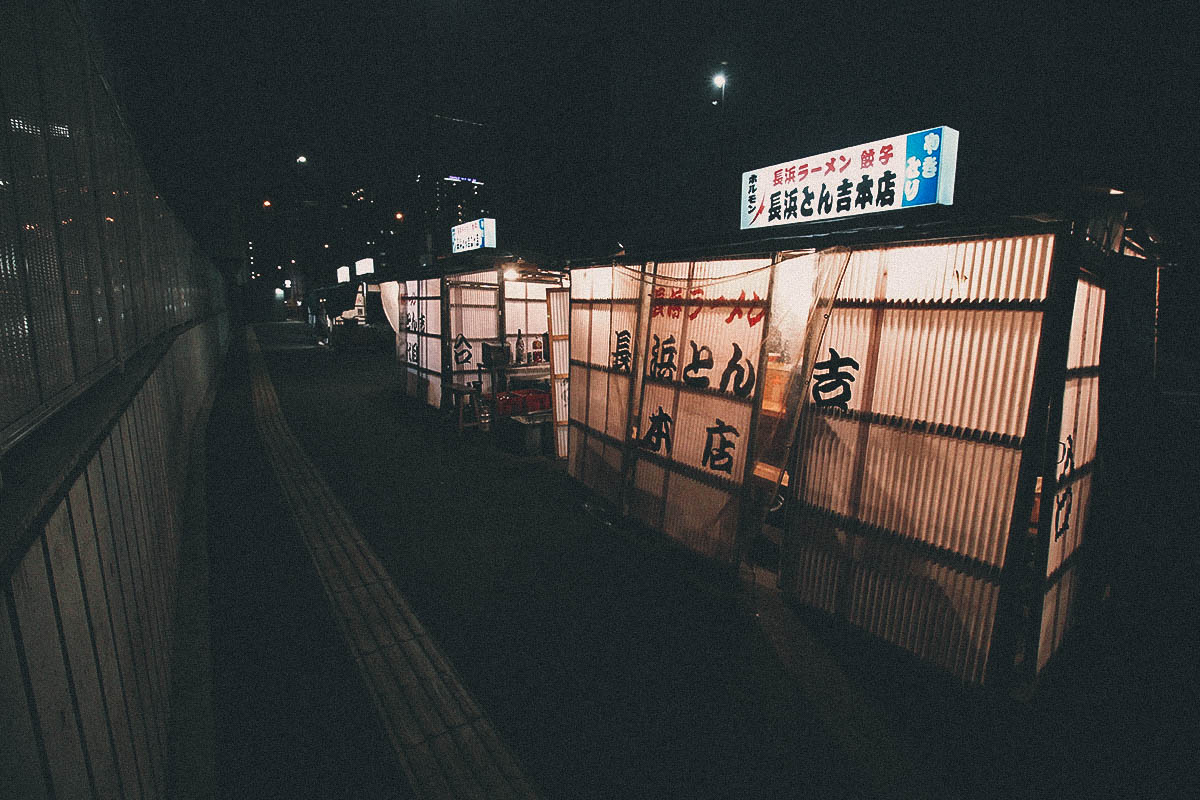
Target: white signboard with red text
x=913, y=169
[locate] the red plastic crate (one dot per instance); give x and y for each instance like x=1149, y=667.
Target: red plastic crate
x=509, y=403
x=533, y=399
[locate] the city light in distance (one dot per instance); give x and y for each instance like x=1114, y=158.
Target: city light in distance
x=266, y=203
x=400, y=215
x=287, y=284
x=301, y=160
x=719, y=80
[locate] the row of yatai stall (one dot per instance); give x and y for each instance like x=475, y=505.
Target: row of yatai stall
x=902, y=429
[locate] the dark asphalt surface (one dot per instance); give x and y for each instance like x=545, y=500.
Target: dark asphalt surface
x=291, y=717
x=618, y=667
x=610, y=669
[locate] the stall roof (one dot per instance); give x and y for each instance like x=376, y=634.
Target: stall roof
x=477, y=260
x=1114, y=223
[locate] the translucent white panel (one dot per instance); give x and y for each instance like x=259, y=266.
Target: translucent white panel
x=561, y=399
x=561, y=441
x=617, y=411
x=561, y=350
x=575, y=452
x=597, y=401
x=580, y=377
x=627, y=283
x=536, y=322
x=967, y=369
x=701, y=517
x=431, y=353
x=952, y=494
x=1056, y=615
x=1080, y=421
x=665, y=349
x=581, y=333
x=1087, y=324
x=730, y=342
x=1068, y=521
x=656, y=400
x=1010, y=268
x=712, y=435
x=601, y=335
x=848, y=336
x=594, y=282
x=433, y=315
x=754, y=274
x=645, y=501
x=486, y=276
x=561, y=303
x=938, y=613
x=474, y=297
x=515, y=317
x=827, y=466
x=514, y=290
x=673, y=269
x=536, y=291
x=480, y=322
x=433, y=394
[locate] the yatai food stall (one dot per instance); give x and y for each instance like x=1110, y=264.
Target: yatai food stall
x=923, y=400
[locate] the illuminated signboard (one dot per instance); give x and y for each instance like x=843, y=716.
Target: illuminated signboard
x=343, y=274
x=913, y=169
x=473, y=235
x=364, y=266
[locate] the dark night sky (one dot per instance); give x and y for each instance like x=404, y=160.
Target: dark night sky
x=599, y=122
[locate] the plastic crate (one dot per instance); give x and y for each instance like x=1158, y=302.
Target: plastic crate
x=509, y=403
x=533, y=399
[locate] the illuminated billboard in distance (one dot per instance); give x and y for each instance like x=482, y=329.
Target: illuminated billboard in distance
x=364, y=266
x=343, y=274
x=473, y=235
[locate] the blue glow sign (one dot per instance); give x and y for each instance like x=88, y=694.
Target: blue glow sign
x=913, y=169
x=473, y=235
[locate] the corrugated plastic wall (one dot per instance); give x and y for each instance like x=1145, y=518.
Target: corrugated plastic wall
x=701, y=381
x=474, y=318
x=558, y=310
x=423, y=339
x=605, y=304
x=525, y=311
x=1077, y=441
x=911, y=437
x=92, y=264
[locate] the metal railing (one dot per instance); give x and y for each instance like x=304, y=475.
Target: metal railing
x=93, y=265
x=112, y=329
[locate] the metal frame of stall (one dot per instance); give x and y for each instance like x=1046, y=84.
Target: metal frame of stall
x=979, y=583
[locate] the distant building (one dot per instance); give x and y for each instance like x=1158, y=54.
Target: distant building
x=445, y=201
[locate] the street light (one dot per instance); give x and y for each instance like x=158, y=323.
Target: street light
x=301, y=159
x=719, y=82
